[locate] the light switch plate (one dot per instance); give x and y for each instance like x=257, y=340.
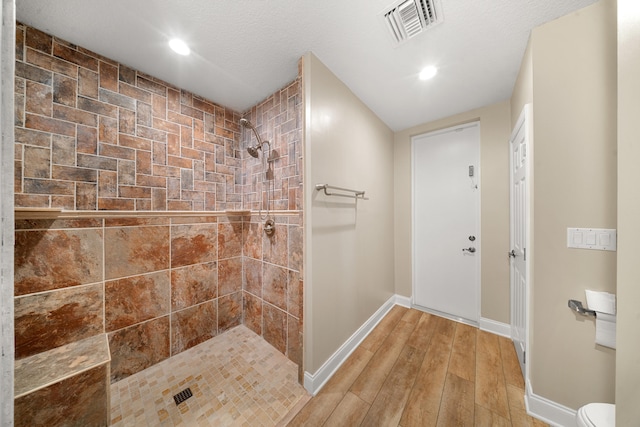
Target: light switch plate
x=601, y=239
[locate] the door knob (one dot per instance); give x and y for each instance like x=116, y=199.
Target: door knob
x=512, y=254
x=470, y=249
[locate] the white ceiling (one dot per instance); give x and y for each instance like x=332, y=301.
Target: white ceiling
x=244, y=50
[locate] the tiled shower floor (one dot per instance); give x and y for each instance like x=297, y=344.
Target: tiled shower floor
x=237, y=379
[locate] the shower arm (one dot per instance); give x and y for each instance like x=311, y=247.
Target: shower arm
x=255, y=132
x=246, y=123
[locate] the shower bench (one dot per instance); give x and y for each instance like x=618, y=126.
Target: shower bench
x=64, y=385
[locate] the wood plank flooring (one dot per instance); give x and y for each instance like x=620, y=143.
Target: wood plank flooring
x=417, y=369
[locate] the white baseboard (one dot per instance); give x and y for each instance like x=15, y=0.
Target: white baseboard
x=498, y=328
x=402, y=301
x=314, y=382
x=548, y=411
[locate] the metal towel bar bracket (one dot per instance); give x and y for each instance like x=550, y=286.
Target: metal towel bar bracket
x=576, y=306
x=356, y=193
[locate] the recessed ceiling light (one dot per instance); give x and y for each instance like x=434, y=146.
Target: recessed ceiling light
x=428, y=72
x=179, y=47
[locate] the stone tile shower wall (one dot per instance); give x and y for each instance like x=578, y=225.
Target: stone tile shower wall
x=92, y=135
x=273, y=286
x=165, y=285
x=272, y=283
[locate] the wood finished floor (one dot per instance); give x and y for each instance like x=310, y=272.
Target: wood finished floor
x=417, y=369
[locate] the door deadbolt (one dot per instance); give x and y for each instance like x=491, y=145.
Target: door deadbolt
x=472, y=238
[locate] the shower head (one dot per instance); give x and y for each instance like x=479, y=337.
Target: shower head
x=246, y=123
x=253, y=151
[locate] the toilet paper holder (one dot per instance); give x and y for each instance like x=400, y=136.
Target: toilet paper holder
x=576, y=306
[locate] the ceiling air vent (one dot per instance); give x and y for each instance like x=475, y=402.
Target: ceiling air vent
x=411, y=17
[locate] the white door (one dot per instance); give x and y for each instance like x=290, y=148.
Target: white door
x=519, y=147
x=446, y=239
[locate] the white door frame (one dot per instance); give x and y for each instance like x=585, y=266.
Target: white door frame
x=477, y=243
x=524, y=124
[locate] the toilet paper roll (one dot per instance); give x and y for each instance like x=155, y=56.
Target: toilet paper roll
x=606, y=330
x=602, y=302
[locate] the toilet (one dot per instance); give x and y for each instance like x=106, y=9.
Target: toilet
x=597, y=415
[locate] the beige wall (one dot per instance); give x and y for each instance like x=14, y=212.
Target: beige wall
x=628, y=351
x=523, y=89
x=349, y=250
x=574, y=185
x=568, y=72
x=494, y=202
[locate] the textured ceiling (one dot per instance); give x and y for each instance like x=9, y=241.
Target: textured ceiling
x=244, y=50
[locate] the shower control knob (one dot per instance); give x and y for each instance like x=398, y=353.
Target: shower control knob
x=269, y=227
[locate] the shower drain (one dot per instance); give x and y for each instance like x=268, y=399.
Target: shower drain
x=182, y=396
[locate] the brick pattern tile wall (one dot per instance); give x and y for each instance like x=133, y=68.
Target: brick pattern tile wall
x=278, y=119
x=93, y=134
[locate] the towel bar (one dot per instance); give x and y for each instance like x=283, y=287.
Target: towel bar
x=357, y=194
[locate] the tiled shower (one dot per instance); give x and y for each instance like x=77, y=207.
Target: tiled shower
x=133, y=217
